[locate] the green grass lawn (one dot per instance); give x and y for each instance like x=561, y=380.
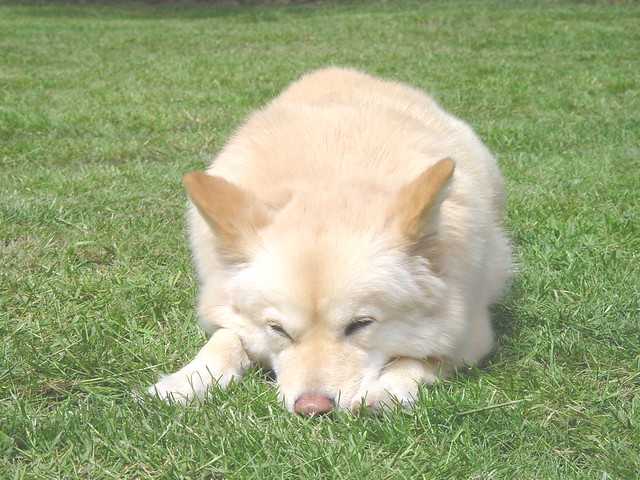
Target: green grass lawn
x=103, y=108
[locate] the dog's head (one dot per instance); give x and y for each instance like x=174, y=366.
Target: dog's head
x=333, y=284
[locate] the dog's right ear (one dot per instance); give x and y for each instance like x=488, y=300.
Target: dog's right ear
x=417, y=203
x=235, y=215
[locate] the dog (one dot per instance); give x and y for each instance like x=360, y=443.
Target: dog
x=348, y=237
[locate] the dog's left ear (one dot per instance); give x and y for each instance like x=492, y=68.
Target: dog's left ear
x=416, y=204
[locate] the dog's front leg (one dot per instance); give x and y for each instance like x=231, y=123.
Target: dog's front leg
x=221, y=360
x=398, y=382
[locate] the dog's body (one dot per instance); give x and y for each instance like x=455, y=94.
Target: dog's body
x=335, y=244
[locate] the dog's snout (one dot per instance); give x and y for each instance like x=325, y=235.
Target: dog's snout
x=313, y=404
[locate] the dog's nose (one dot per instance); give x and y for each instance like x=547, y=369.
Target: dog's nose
x=313, y=404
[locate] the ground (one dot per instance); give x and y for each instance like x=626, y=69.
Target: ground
x=104, y=107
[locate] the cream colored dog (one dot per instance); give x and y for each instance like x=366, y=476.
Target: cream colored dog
x=348, y=237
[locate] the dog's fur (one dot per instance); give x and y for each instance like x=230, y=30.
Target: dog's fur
x=335, y=244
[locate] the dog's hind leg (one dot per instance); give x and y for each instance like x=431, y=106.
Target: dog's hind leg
x=221, y=360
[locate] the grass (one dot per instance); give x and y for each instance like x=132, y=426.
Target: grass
x=104, y=107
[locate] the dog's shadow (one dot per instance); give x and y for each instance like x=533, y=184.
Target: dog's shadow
x=506, y=326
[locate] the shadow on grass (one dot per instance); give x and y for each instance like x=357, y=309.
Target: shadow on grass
x=244, y=12
x=504, y=318
x=506, y=326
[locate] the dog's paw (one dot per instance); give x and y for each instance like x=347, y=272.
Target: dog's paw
x=397, y=385
x=181, y=388
x=386, y=393
x=192, y=382
x=176, y=390
x=220, y=361
x=394, y=393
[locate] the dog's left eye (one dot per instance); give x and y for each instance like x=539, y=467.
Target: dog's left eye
x=357, y=324
x=276, y=327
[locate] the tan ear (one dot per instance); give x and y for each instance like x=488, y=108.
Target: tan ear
x=417, y=202
x=233, y=213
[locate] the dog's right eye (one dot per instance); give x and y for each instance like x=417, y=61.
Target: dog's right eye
x=277, y=328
